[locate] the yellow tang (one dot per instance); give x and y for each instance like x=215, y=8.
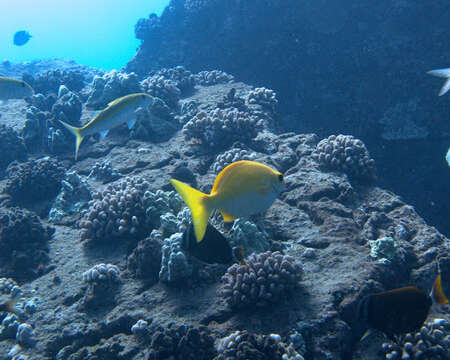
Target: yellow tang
x=242, y=189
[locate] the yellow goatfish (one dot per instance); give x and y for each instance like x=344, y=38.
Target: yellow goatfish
x=242, y=189
x=14, y=89
x=122, y=110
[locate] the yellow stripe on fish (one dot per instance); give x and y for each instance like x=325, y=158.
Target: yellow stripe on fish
x=121, y=110
x=242, y=189
x=14, y=89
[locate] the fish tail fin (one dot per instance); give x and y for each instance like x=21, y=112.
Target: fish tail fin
x=443, y=73
x=78, y=136
x=437, y=293
x=195, y=200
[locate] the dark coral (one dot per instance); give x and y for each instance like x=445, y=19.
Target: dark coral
x=145, y=261
x=23, y=240
x=50, y=81
x=12, y=147
x=348, y=154
x=181, y=342
x=265, y=279
x=34, y=181
x=118, y=212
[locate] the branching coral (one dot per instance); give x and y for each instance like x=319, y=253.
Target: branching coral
x=110, y=86
x=230, y=156
x=242, y=345
x=220, y=128
x=117, y=212
x=347, y=154
x=181, y=342
x=34, y=181
x=23, y=240
x=265, y=279
x=50, y=81
x=431, y=342
x=11, y=147
x=213, y=77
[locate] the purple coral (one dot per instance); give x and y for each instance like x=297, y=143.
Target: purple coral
x=267, y=277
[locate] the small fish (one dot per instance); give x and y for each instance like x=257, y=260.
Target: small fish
x=400, y=311
x=119, y=111
x=21, y=37
x=447, y=157
x=443, y=73
x=242, y=189
x=214, y=249
x=14, y=89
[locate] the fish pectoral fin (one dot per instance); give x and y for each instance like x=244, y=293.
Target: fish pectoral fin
x=227, y=217
x=103, y=133
x=131, y=123
x=445, y=87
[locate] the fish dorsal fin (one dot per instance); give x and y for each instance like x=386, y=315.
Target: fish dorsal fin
x=227, y=217
x=437, y=293
x=103, y=133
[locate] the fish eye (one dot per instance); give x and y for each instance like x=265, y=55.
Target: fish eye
x=280, y=178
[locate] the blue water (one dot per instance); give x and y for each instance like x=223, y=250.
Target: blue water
x=99, y=33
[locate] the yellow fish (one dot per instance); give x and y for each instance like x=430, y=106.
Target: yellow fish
x=242, y=189
x=14, y=89
x=119, y=111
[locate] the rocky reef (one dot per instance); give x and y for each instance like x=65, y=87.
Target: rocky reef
x=365, y=90
x=112, y=278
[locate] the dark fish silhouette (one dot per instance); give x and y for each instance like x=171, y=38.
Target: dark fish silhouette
x=213, y=249
x=400, y=311
x=21, y=37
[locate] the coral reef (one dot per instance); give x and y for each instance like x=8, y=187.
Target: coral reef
x=102, y=273
x=163, y=88
x=242, y=345
x=34, y=181
x=25, y=335
x=145, y=261
x=184, y=79
x=110, y=86
x=181, y=342
x=230, y=156
x=265, y=279
x=11, y=147
x=49, y=82
x=246, y=234
x=175, y=267
x=431, y=342
x=141, y=329
x=213, y=77
x=74, y=196
x=384, y=249
x=347, y=154
x=23, y=241
x=103, y=172
x=42, y=130
x=219, y=128
x=118, y=212
x=9, y=287
x=103, y=280
x=267, y=98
